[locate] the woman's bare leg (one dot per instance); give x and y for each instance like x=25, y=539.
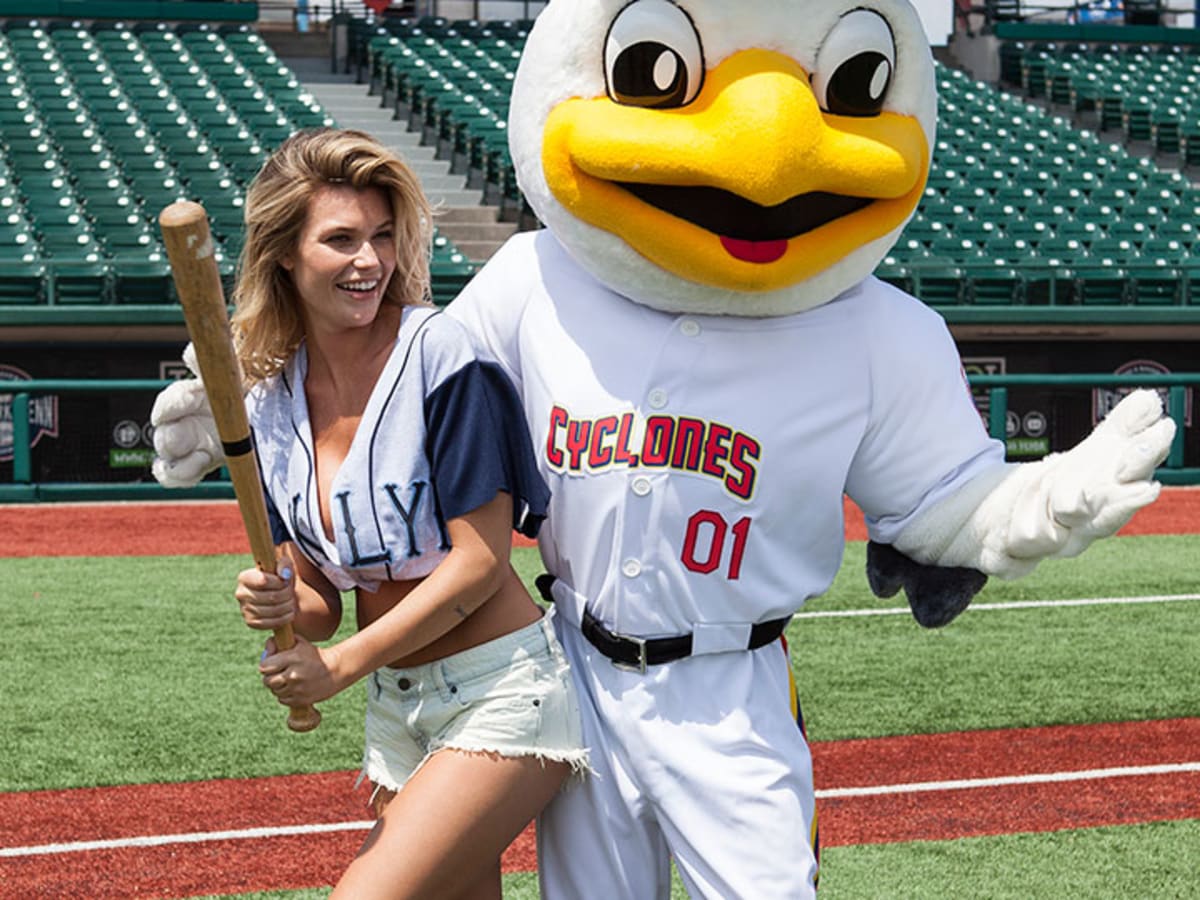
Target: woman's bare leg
x=442, y=836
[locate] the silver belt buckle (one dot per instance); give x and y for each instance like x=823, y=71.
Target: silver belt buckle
x=640, y=665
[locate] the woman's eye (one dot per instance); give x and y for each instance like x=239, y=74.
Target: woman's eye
x=652, y=57
x=855, y=65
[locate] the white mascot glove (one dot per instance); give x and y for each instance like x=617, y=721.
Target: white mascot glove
x=186, y=444
x=1006, y=522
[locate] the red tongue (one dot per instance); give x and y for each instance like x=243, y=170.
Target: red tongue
x=754, y=251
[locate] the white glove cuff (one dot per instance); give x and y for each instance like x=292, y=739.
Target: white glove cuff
x=998, y=523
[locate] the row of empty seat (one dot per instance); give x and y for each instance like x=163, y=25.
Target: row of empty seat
x=1024, y=208
x=103, y=125
x=452, y=81
x=1148, y=93
x=1017, y=198
x=109, y=123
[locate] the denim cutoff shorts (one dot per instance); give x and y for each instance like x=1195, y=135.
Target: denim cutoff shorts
x=512, y=696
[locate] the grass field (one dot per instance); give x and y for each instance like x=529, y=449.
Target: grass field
x=137, y=670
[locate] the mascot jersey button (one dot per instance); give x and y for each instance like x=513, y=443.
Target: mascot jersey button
x=657, y=398
x=641, y=486
x=689, y=327
x=632, y=568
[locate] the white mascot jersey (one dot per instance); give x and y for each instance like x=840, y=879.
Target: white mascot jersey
x=707, y=367
x=697, y=463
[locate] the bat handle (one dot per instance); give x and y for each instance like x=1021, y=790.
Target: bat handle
x=300, y=718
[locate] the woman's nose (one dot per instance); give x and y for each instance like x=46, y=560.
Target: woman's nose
x=366, y=256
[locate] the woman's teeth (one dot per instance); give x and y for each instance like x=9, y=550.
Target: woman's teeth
x=359, y=287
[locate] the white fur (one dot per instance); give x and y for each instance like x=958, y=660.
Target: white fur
x=1005, y=523
x=564, y=58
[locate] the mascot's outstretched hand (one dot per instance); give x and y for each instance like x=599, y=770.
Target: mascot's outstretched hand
x=1005, y=523
x=186, y=444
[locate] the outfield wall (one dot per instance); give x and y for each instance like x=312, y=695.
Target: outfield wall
x=107, y=438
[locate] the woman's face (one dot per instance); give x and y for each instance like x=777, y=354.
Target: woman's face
x=344, y=257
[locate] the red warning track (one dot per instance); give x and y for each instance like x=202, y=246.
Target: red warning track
x=1097, y=759
x=209, y=527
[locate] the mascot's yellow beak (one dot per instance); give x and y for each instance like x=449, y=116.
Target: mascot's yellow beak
x=750, y=187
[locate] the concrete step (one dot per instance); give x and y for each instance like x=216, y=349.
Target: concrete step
x=449, y=199
x=353, y=106
x=439, y=183
x=476, y=251
x=473, y=214
x=291, y=44
x=496, y=232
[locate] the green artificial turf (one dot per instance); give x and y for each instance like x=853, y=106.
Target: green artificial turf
x=885, y=675
x=129, y=670
x=1156, y=861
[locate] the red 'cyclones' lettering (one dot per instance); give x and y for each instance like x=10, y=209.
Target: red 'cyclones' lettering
x=677, y=442
x=558, y=419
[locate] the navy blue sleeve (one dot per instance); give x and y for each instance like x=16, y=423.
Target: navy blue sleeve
x=478, y=445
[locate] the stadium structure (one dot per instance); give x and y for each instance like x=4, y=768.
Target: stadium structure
x=1056, y=234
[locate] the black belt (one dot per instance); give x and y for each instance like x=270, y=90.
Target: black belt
x=638, y=653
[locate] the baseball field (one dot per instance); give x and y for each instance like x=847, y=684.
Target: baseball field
x=1044, y=745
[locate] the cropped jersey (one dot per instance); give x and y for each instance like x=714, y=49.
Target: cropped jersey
x=441, y=434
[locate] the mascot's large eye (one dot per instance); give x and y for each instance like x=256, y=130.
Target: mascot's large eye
x=652, y=57
x=855, y=65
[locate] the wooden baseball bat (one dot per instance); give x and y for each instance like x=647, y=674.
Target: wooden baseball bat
x=198, y=282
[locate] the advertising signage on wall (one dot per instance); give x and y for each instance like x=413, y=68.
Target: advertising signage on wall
x=1104, y=399
x=106, y=437
x=78, y=436
x=1044, y=419
x=43, y=413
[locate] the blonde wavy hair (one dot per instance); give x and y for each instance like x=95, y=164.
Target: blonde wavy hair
x=267, y=327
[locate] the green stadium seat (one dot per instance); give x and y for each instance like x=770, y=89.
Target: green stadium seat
x=22, y=281
x=84, y=281
x=1103, y=281
x=993, y=285
x=1032, y=231
x=142, y=278
x=938, y=283
x=1157, y=281
x=896, y=272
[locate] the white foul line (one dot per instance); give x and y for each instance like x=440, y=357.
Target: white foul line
x=829, y=793
x=982, y=607
x=1009, y=780
x=197, y=837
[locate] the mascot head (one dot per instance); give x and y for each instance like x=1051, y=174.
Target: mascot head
x=752, y=158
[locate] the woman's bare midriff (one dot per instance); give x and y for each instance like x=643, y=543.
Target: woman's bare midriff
x=510, y=609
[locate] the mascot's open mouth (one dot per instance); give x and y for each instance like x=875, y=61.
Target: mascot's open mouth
x=748, y=231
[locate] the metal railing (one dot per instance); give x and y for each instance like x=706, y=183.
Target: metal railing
x=23, y=488
x=1172, y=471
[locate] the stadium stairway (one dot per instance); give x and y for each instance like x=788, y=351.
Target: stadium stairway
x=474, y=228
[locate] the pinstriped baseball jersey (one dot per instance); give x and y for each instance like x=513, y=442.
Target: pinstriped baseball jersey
x=697, y=463
x=441, y=434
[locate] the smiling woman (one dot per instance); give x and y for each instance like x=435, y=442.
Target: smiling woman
x=344, y=258
x=321, y=204
x=396, y=465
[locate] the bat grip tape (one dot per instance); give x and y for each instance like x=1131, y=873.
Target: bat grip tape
x=237, y=448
